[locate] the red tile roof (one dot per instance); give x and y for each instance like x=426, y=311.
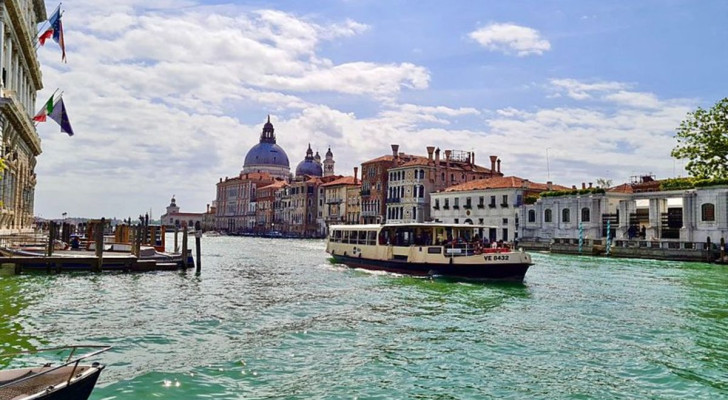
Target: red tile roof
x=346, y=180
x=502, y=183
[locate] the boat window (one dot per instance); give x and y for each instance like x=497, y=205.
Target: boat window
x=362, y=237
x=346, y=237
x=371, y=238
x=336, y=235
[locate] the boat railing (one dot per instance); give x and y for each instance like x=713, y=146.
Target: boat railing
x=70, y=360
x=469, y=249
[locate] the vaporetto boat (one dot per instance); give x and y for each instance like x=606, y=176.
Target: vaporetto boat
x=427, y=249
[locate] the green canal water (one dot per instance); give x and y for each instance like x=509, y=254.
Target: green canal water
x=275, y=319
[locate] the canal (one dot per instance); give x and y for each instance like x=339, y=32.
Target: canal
x=273, y=318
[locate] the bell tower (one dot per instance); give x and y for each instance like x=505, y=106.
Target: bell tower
x=329, y=163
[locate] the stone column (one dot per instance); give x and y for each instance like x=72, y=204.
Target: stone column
x=688, y=214
x=653, y=230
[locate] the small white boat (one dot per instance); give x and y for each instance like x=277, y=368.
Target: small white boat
x=70, y=380
x=428, y=249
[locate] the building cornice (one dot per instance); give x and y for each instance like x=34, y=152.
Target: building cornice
x=24, y=39
x=40, y=11
x=19, y=119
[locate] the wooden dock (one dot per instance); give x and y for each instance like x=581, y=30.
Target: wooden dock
x=87, y=261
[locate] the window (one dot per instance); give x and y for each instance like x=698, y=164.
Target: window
x=505, y=221
x=481, y=201
x=547, y=215
x=707, y=212
x=447, y=204
x=468, y=203
x=565, y=215
x=457, y=203
x=531, y=215
x=585, y=214
x=437, y=204
x=505, y=234
x=457, y=220
x=504, y=203
x=492, y=201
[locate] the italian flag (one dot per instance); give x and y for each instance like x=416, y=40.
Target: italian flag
x=47, y=109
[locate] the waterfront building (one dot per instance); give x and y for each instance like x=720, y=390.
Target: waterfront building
x=266, y=205
x=174, y=218
x=208, y=218
x=493, y=201
x=302, y=214
x=572, y=213
x=410, y=181
x=353, y=202
x=236, y=200
x=21, y=80
x=335, y=194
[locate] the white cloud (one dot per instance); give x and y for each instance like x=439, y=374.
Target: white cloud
x=510, y=38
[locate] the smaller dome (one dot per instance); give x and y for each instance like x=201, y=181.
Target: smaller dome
x=329, y=153
x=309, y=166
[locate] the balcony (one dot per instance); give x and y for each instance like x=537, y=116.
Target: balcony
x=467, y=207
x=456, y=207
x=504, y=205
x=492, y=205
x=481, y=205
x=366, y=192
x=393, y=200
x=445, y=207
x=334, y=201
x=435, y=207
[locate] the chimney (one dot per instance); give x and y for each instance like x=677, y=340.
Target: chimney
x=430, y=150
x=395, y=150
x=437, y=156
x=499, y=166
x=448, y=154
x=492, y=165
x=472, y=158
x=356, y=171
x=573, y=187
x=549, y=185
x=583, y=185
x=590, y=185
x=208, y=208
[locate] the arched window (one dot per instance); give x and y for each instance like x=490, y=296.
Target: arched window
x=531, y=215
x=422, y=192
x=547, y=215
x=565, y=215
x=585, y=214
x=707, y=212
x=422, y=174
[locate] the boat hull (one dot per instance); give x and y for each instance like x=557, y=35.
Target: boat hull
x=514, y=272
x=49, y=387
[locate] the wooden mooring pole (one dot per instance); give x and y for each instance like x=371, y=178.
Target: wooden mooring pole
x=184, y=244
x=99, y=245
x=198, y=237
x=51, y=237
x=176, y=241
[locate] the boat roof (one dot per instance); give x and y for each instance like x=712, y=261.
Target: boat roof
x=411, y=225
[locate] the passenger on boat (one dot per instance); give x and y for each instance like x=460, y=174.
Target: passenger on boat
x=75, y=243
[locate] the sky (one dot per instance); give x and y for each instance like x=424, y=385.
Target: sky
x=167, y=96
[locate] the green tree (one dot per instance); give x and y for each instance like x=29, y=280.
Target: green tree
x=604, y=183
x=702, y=139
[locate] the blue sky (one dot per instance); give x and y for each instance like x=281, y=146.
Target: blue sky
x=166, y=97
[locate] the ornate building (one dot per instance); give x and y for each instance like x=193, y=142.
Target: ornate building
x=21, y=80
x=309, y=166
x=267, y=156
x=329, y=163
x=173, y=218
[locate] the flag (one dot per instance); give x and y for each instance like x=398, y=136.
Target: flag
x=59, y=115
x=58, y=37
x=47, y=109
x=52, y=21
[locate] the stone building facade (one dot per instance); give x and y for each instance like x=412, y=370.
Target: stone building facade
x=21, y=80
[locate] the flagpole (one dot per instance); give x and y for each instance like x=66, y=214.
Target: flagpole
x=37, y=35
x=35, y=123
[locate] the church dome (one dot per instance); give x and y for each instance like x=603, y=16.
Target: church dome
x=309, y=166
x=266, y=153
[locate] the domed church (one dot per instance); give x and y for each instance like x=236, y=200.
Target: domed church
x=267, y=156
x=309, y=165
